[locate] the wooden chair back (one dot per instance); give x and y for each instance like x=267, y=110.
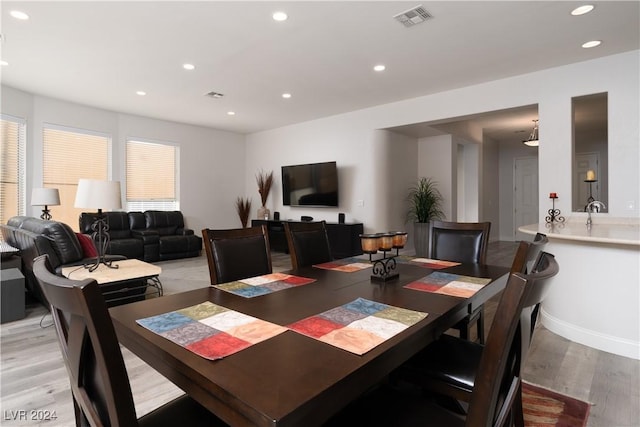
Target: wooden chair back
x=308, y=243
x=90, y=350
x=459, y=241
x=237, y=253
x=497, y=384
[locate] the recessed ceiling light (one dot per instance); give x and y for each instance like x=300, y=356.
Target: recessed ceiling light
x=582, y=10
x=18, y=14
x=379, y=67
x=141, y=93
x=231, y=113
x=286, y=95
x=4, y=63
x=592, y=43
x=189, y=67
x=279, y=16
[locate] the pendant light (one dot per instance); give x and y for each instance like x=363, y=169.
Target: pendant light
x=533, y=138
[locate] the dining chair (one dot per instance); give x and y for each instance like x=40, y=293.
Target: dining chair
x=308, y=243
x=451, y=366
x=99, y=382
x=493, y=401
x=465, y=242
x=235, y=254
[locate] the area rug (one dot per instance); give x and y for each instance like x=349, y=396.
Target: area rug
x=547, y=408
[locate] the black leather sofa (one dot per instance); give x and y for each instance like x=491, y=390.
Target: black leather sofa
x=35, y=237
x=149, y=236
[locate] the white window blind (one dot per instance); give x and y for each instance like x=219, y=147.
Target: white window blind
x=68, y=155
x=12, y=177
x=151, y=176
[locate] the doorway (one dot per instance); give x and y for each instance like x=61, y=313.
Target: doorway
x=525, y=194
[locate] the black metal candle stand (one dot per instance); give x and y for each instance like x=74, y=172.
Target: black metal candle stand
x=554, y=214
x=384, y=268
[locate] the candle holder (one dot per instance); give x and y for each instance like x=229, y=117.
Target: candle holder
x=383, y=268
x=554, y=214
x=590, y=198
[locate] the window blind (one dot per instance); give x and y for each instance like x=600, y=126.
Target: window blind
x=69, y=155
x=151, y=176
x=12, y=175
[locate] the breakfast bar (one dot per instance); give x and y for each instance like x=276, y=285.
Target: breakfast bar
x=596, y=297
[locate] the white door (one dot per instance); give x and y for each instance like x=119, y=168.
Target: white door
x=525, y=198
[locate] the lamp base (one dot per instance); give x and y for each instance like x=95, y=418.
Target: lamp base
x=101, y=237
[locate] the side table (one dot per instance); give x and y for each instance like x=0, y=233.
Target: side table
x=11, y=295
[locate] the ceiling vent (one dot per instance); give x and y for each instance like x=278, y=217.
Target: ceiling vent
x=413, y=16
x=214, y=95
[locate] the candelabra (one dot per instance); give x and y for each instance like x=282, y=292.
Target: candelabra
x=383, y=268
x=554, y=214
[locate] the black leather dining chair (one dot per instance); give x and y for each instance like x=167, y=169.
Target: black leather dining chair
x=308, y=243
x=465, y=242
x=450, y=366
x=235, y=254
x=99, y=382
x=494, y=399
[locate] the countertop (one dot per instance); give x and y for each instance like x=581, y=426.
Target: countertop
x=623, y=231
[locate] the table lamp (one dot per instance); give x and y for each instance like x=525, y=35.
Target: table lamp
x=99, y=194
x=45, y=197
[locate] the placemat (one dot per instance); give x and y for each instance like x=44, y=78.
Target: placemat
x=210, y=330
x=449, y=284
x=434, y=264
x=347, y=265
x=359, y=325
x=265, y=284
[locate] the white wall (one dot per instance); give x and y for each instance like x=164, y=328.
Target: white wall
x=350, y=138
x=211, y=161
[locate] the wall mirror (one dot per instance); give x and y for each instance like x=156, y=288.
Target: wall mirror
x=590, y=151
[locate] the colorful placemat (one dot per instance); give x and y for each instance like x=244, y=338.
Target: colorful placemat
x=347, y=265
x=449, y=284
x=434, y=264
x=359, y=325
x=265, y=284
x=210, y=330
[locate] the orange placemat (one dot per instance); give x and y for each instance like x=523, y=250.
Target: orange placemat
x=347, y=265
x=265, y=284
x=449, y=284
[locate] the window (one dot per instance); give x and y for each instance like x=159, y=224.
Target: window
x=151, y=176
x=12, y=177
x=68, y=155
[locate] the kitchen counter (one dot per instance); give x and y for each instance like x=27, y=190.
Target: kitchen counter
x=595, y=298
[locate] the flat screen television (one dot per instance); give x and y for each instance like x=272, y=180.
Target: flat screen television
x=312, y=184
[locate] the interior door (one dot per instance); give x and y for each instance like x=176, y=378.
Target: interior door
x=525, y=199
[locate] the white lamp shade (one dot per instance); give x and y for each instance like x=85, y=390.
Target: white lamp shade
x=45, y=197
x=98, y=194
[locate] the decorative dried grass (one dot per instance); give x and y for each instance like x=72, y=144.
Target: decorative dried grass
x=264, y=181
x=243, y=207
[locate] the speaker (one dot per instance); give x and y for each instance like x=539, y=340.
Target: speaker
x=306, y=218
x=341, y=218
x=276, y=216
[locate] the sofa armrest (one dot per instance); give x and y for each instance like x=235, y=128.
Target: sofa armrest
x=148, y=237
x=184, y=232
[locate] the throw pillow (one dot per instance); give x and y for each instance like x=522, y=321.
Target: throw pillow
x=88, y=247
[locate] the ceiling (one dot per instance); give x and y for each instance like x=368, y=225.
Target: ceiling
x=99, y=53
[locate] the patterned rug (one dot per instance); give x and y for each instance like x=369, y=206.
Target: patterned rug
x=547, y=408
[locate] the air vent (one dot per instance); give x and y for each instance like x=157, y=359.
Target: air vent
x=214, y=95
x=413, y=16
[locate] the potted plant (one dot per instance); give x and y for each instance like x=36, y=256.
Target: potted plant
x=264, y=181
x=425, y=205
x=243, y=207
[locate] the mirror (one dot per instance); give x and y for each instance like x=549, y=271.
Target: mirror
x=590, y=151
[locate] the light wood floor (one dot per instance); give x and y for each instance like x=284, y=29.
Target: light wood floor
x=33, y=378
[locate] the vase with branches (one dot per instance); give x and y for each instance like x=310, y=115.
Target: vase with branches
x=243, y=207
x=264, y=180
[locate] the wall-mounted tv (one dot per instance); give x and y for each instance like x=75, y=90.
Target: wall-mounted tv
x=312, y=184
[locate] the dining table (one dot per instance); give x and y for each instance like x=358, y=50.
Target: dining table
x=292, y=379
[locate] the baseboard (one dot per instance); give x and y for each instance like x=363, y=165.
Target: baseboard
x=597, y=340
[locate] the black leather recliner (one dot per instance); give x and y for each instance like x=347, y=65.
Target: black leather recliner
x=175, y=241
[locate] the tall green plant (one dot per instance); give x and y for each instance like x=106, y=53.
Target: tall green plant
x=425, y=201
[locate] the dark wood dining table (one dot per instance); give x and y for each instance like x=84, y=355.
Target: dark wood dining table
x=292, y=379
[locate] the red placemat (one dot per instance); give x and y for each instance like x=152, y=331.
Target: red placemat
x=449, y=284
x=265, y=284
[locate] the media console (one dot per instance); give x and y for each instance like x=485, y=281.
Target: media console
x=343, y=238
